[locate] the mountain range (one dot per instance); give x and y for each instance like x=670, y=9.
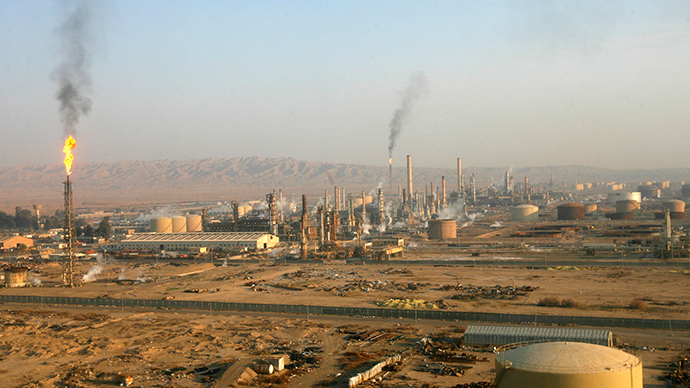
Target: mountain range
x=216, y=179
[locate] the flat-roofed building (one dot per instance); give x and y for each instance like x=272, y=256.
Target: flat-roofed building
x=194, y=241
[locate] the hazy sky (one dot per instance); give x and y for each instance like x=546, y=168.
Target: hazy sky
x=523, y=83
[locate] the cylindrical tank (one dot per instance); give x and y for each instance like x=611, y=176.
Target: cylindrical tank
x=649, y=191
x=627, y=206
x=194, y=223
x=673, y=215
x=571, y=211
x=442, y=229
x=685, y=190
x=590, y=208
x=524, y=213
x=674, y=206
x=623, y=196
x=567, y=364
x=620, y=216
x=265, y=369
x=179, y=224
x=16, y=277
x=161, y=225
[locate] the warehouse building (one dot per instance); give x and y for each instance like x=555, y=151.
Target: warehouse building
x=191, y=241
x=503, y=335
x=7, y=243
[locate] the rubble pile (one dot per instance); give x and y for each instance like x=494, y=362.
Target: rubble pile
x=470, y=292
x=679, y=375
x=406, y=303
x=443, y=369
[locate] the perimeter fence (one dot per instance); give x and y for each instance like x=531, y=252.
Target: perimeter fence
x=444, y=315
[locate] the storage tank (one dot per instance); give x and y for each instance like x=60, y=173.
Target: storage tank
x=17, y=277
x=194, y=223
x=442, y=229
x=567, y=364
x=620, y=216
x=161, y=225
x=179, y=224
x=571, y=211
x=649, y=191
x=675, y=207
x=627, y=206
x=524, y=213
x=590, y=208
x=623, y=196
x=685, y=190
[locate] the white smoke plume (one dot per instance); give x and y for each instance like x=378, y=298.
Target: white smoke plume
x=496, y=224
x=472, y=217
x=95, y=270
x=165, y=211
x=455, y=211
x=35, y=280
x=72, y=73
x=418, y=86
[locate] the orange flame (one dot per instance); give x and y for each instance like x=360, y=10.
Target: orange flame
x=390, y=160
x=67, y=150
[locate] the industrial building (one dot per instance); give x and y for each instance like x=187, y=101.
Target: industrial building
x=567, y=364
x=192, y=240
x=503, y=335
x=13, y=242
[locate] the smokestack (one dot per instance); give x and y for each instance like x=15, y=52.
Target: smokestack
x=303, y=236
x=325, y=200
x=364, y=206
x=460, y=178
x=280, y=202
x=70, y=239
x=382, y=207
x=409, y=177
x=350, y=210
x=443, y=197
x=235, y=216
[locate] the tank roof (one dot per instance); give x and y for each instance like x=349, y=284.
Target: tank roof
x=567, y=358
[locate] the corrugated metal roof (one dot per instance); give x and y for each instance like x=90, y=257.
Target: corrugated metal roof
x=503, y=335
x=195, y=236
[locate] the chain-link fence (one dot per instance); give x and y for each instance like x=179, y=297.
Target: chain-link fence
x=461, y=316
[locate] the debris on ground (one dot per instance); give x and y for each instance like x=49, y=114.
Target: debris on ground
x=470, y=292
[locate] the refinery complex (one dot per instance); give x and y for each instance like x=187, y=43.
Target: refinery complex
x=446, y=283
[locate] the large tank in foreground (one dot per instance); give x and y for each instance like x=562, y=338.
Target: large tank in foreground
x=442, y=229
x=524, y=213
x=567, y=364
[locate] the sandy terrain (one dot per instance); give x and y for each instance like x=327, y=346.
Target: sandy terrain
x=45, y=346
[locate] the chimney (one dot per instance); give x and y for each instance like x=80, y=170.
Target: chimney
x=443, y=191
x=460, y=178
x=409, y=177
x=303, y=237
x=364, y=206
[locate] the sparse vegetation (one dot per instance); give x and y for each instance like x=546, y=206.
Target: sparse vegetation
x=555, y=302
x=638, y=304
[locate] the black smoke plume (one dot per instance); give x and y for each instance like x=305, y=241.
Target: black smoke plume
x=419, y=86
x=72, y=73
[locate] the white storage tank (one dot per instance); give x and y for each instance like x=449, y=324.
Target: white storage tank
x=624, y=196
x=194, y=223
x=524, y=213
x=161, y=225
x=567, y=364
x=179, y=224
x=590, y=208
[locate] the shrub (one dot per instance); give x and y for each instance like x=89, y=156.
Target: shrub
x=570, y=303
x=638, y=304
x=549, y=302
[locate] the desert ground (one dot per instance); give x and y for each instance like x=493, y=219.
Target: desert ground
x=45, y=346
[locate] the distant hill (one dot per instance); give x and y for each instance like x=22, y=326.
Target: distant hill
x=161, y=181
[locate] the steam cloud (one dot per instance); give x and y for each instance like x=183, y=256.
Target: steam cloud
x=419, y=85
x=72, y=73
